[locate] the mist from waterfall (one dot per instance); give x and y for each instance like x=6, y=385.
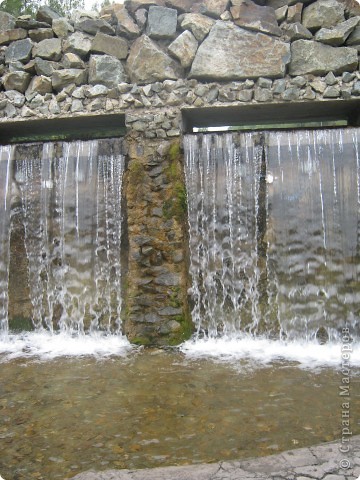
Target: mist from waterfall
x=66, y=199
x=274, y=233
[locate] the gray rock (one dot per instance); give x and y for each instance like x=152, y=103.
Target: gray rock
x=39, y=84
x=291, y=94
x=41, y=34
x=263, y=94
x=167, y=311
x=254, y=17
x=45, y=67
x=279, y=86
x=9, y=36
x=323, y=14
x=160, y=68
x=184, y=48
x=264, y=82
x=71, y=60
x=330, y=79
x=46, y=14
x=16, y=81
x=19, y=51
x=348, y=77
x=331, y=92
x=7, y=21
x=48, y=49
x=115, y=46
x=106, y=70
x=126, y=26
x=281, y=13
x=62, y=27
x=309, y=57
x=92, y=26
x=213, y=8
x=198, y=24
x=78, y=43
x=141, y=17
x=161, y=23
x=356, y=89
x=15, y=97
x=232, y=53
x=354, y=38
x=294, y=13
x=62, y=78
x=168, y=279
x=30, y=24
x=298, y=81
x=296, y=31
x=337, y=35
x=54, y=108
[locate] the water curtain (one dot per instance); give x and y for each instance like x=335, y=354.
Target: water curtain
x=274, y=227
x=66, y=198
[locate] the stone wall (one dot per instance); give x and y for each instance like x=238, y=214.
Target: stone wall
x=150, y=60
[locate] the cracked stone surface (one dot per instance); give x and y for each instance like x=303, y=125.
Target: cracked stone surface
x=321, y=462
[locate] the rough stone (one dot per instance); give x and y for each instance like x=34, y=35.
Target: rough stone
x=78, y=43
x=62, y=27
x=49, y=49
x=213, y=8
x=30, y=24
x=330, y=79
x=332, y=92
x=62, y=78
x=160, y=68
x=12, y=35
x=133, y=5
x=323, y=14
x=281, y=13
x=7, y=22
x=161, y=23
x=263, y=94
x=126, y=25
x=106, y=70
x=296, y=31
x=92, y=26
x=184, y=48
x=114, y=46
x=46, y=14
x=41, y=34
x=16, y=81
x=232, y=53
x=309, y=57
x=19, y=51
x=15, y=97
x=45, y=67
x=71, y=60
x=141, y=17
x=294, y=13
x=198, y=24
x=254, y=17
x=337, y=35
x=354, y=38
x=39, y=84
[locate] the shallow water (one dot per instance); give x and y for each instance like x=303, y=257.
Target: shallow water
x=155, y=408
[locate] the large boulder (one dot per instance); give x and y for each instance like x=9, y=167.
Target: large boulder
x=106, y=70
x=233, y=53
x=184, y=48
x=115, y=46
x=323, y=14
x=161, y=66
x=19, y=51
x=161, y=22
x=49, y=49
x=254, y=17
x=309, y=57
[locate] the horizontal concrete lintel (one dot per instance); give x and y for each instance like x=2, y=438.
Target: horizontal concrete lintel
x=68, y=128
x=273, y=114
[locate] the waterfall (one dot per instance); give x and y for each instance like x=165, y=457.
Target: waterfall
x=274, y=232
x=70, y=211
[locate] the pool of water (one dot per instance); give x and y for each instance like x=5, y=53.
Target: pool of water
x=153, y=408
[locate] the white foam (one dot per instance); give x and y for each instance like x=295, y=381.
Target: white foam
x=47, y=346
x=264, y=351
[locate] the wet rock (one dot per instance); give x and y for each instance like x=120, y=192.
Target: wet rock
x=232, y=53
x=16, y=81
x=337, y=35
x=61, y=78
x=62, y=27
x=160, y=68
x=161, y=23
x=94, y=25
x=7, y=21
x=126, y=25
x=19, y=51
x=106, y=70
x=78, y=43
x=41, y=34
x=114, y=46
x=48, y=49
x=323, y=14
x=46, y=14
x=199, y=25
x=254, y=17
x=184, y=48
x=309, y=57
x=12, y=35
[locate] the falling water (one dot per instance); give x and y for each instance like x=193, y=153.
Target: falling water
x=274, y=227
x=70, y=211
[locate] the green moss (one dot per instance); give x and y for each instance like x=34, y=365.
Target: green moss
x=136, y=173
x=184, y=333
x=141, y=341
x=20, y=324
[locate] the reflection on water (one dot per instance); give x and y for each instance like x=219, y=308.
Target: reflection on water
x=157, y=408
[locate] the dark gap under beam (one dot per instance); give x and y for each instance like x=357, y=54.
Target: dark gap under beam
x=270, y=115
x=70, y=128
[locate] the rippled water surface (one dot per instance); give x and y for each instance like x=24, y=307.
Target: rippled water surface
x=156, y=408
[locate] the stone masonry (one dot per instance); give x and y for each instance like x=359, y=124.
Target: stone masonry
x=149, y=60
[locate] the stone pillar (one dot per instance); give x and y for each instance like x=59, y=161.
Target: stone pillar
x=156, y=309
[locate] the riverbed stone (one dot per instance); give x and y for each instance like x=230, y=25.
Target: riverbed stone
x=160, y=68
x=16, y=81
x=78, y=43
x=199, y=25
x=19, y=51
x=231, y=53
x=115, y=46
x=255, y=17
x=184, y=48
x=323, y=14
x=309, y=57
x=337, y=35
x=161, y=22
x=106, y=70
x=49, y=49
